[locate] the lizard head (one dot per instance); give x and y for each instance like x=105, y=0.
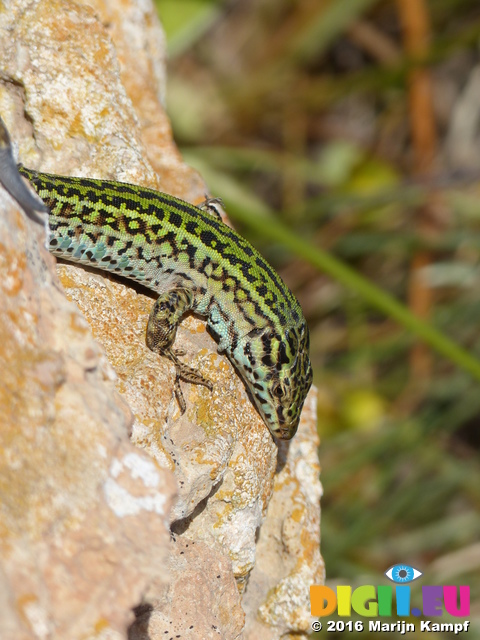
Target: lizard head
x=277, y=367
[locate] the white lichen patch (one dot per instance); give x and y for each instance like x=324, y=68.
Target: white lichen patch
x=125, y=501
x=139, y=466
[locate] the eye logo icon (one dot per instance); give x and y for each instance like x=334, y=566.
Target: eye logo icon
x=402, y=573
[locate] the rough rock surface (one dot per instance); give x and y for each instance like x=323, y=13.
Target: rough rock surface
x=277, y=600
x=202, y=600
x=83, y=511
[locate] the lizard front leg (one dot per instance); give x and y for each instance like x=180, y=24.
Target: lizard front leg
x=161, y=330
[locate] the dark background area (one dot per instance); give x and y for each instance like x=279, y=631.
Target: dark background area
x=355, y=124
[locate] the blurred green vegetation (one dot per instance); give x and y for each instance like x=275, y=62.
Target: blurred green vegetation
x=299, y=113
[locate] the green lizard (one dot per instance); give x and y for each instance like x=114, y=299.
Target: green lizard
x=195, y=263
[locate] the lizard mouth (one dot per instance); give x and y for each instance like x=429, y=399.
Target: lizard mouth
x=287, y=429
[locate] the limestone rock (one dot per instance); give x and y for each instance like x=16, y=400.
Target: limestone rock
x=87, y=106
x=277, y=601
x=84, y=513
x=202, y=600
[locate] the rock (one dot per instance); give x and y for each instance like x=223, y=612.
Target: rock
x=202, y=600
x=84, y=512
x=277, y=600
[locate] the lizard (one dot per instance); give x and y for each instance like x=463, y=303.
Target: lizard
x=195, y=263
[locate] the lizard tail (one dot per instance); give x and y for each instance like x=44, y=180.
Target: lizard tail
x=12, y=181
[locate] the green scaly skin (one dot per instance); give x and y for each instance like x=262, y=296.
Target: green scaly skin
x=196, y=263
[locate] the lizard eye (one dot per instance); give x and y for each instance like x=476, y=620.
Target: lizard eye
x=278, y=391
